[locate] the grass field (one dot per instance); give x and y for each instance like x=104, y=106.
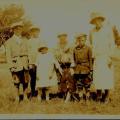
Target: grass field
x=55, y=106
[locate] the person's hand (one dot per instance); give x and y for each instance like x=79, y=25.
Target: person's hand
x=71, y=71
x=60, y=70
x=12, y=69
x=30, y=66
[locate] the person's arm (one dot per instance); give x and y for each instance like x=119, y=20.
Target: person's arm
x=37, y=60
x=71, y=56
x=8, y=54
x=116, y=58
x=57, y=65
x=111, y=41
x=90, y=58
x=29, y=51
x=90, y=39
x=37, y=65
x=92, y=43
x=111, y=45
x=51, y=71
x=73, y=59
x=115, y=55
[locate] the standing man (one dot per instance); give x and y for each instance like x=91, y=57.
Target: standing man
x=63, y=55
x=102, y=42
x=33, y=45
x=17, y=58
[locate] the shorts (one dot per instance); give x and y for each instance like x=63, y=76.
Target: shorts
x=82, y=80
x=21, y=78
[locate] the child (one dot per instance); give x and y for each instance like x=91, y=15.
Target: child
x=83, y=66
x=46, y=77
x=67, y=82
x=17, y=58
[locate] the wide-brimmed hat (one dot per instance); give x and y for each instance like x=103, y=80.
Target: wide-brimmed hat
x=96, y=15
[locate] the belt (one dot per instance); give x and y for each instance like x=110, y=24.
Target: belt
x=82, y=61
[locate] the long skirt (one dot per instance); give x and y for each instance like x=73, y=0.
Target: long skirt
x=102, y=74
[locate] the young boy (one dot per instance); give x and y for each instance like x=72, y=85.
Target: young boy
x=67, y=82
x=46, y=77
x=33, y=45
x=63, y=54
x=83, y=66
x=17, y=58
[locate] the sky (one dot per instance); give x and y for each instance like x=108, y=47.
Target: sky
x=69, y=16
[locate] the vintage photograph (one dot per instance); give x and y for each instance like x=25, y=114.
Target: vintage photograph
x=59, y=57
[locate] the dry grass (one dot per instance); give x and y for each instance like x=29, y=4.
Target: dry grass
x=55, y=106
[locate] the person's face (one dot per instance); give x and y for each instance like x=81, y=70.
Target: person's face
x=81, y=41
x=98, y=23
x=62, y=40
x=18, y=31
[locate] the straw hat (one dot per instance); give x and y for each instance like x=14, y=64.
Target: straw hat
x=96, y=15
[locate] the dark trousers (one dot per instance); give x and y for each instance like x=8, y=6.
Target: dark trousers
x=80, y=79
x=20, y=75
x=32, y=73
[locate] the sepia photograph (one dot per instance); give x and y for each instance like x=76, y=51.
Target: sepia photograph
x=59, y=59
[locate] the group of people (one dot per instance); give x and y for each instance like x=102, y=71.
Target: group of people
x=64, y=71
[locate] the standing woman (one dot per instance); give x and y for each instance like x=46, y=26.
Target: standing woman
x=102, y=42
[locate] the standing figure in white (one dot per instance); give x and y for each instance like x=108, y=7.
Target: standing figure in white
x=102, y=41
x=46, y=75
